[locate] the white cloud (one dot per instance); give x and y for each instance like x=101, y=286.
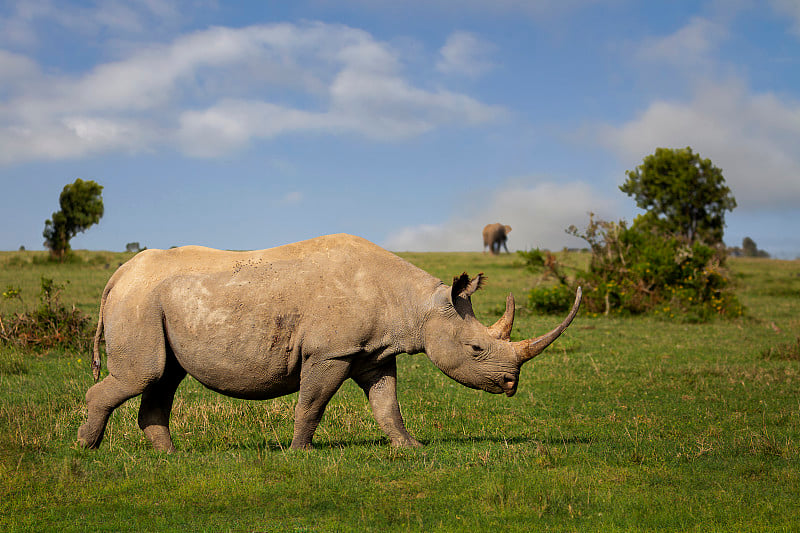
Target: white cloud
x=72, y=136
x=348, y=81
x=19, y=26
x=465, y=54
x=690, y=46
x=233, y=123
x=387, y=107
x=752, y=137
x=538, y=213
x=17, y=70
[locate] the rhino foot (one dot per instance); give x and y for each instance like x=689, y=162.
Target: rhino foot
x=407, y=442
x=86, y=439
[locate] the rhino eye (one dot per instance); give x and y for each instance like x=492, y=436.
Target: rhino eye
x=476, y=348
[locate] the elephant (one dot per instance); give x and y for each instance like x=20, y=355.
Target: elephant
x=495, y=235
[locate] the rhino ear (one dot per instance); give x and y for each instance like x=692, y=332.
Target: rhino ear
x=465, y=287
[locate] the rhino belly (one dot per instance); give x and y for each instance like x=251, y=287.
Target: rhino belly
x=240, y=379
x=238, y=359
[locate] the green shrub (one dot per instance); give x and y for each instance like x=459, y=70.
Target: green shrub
x=554, y=299
x=640, y=269
x=50, y=325
x=532, y=259
x=547, y=298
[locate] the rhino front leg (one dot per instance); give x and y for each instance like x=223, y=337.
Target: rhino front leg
x=380, y=386
x=319, y=381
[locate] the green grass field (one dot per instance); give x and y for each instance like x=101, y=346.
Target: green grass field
x=624, y=424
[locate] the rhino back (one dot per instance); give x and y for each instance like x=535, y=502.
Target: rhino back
x=134, y=281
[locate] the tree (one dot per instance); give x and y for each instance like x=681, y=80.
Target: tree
x=750, y=248
x=81, y=207
x=684, y=195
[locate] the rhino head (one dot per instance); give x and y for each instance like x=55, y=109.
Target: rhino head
x=477, y=356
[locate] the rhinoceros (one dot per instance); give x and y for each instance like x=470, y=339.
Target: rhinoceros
x=300, y=317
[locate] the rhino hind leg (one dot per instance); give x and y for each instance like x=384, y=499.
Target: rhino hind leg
x=136, y=361
x=380, y=386
x=156, y=406
x=101, y=400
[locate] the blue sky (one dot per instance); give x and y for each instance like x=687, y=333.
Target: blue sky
x=246, y=125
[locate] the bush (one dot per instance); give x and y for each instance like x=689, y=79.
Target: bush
x=638, y=270
x=532, y=259
x=550, y=299
x=554, y=299
x=50, y=325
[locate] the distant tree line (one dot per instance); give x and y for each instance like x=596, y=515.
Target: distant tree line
x=748, y=249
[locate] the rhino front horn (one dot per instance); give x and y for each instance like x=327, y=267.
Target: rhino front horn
x=530, y=348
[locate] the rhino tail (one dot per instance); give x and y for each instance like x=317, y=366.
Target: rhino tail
x=96, y=363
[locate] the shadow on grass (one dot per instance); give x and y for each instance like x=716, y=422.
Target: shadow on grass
x=551, y=441
x=383, y=442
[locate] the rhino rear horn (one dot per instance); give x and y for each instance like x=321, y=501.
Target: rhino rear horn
x=502, y=328
x=530, y=348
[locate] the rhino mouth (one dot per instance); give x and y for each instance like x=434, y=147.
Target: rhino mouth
x=509, y=385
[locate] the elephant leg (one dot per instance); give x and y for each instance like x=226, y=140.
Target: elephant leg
x=319, y=381
x=380, y=386
x=504, y=246
x=156, y=407
x=101, y=400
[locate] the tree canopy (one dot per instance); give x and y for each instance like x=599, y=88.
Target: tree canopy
x=684, y=194
x=750, y=249
x=81, y=207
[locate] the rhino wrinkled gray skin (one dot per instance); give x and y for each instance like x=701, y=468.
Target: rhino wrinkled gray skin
x=300, y=317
